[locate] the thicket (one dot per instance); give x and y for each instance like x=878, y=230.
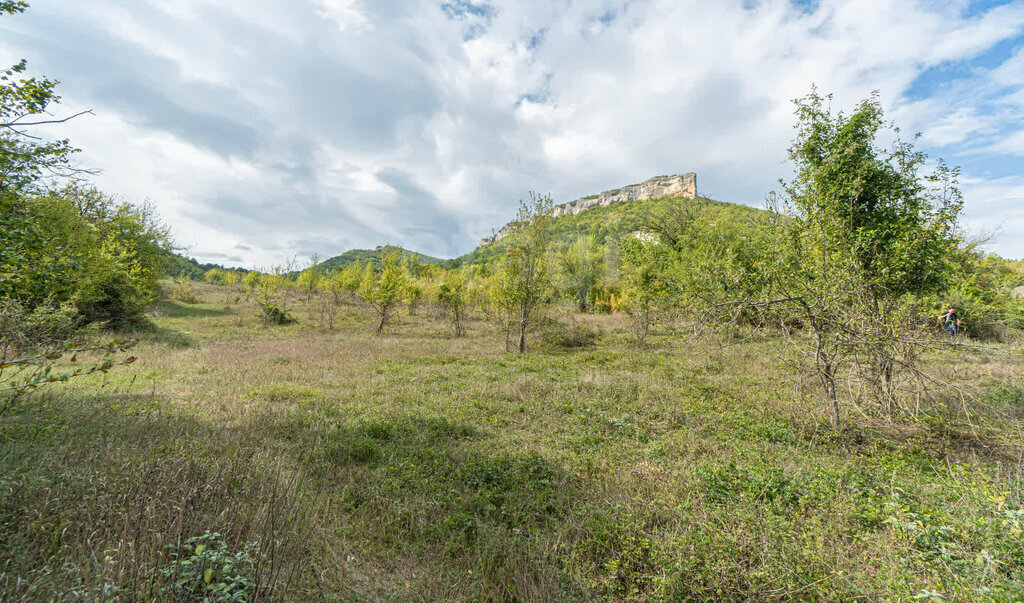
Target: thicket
x=70, y=256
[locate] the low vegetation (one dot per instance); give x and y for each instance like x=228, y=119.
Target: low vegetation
x=426, y=466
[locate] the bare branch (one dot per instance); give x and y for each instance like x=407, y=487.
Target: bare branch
x=17, y=122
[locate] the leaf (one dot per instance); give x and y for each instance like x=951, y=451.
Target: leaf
x=208, y=574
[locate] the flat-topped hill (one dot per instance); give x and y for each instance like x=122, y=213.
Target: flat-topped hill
x=680, y=185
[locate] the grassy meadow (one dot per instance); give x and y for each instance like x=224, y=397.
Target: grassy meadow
x=294, y=463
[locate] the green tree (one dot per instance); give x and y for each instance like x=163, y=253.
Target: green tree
x=248, y=283
x=25, y=158
x=452, y=295
x=580, y=265
x=384, y=291
x=861, y=236
x=103, y=255
x=308, y=281
x=269, y=291
x=351, y=278
x=522, y=282
x=333, y=288
x=215, y=276
x=645, y=272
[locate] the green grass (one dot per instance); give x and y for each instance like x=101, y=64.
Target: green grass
x=418, y=466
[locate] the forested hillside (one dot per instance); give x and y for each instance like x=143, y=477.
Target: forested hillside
x=373, y=256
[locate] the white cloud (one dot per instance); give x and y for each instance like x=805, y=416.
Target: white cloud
x=1012, y=144
x=322, y=125
x=345, y=14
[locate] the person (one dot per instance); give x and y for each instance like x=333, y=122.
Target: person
x=950, y=321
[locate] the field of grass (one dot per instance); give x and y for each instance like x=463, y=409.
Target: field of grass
x=290, y=463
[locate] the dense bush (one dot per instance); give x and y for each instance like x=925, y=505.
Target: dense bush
x=81, y=247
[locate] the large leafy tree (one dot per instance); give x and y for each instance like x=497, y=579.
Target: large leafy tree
x=24, y=158
x=72, y=245
x=861, y=235
x=25, y=103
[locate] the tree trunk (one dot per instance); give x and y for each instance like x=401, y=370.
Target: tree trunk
x=457, y=315
x=885, y=375
x=523, y=320
x=828, y=379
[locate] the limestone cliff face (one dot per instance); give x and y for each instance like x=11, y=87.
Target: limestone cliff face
x=684, y=185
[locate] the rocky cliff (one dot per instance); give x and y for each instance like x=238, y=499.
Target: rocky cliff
x=684, y=185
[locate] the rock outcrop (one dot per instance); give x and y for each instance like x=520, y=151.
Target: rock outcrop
x=683, y=185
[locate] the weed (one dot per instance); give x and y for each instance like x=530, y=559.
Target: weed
x=203, y=568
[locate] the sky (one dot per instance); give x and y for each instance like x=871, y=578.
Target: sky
x=264, y=130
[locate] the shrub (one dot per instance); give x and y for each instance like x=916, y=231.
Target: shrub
x=205, y=570
x=182, y=290
x=569, y=334
x=273, y=314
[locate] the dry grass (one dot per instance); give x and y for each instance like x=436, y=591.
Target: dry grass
x=419, y=466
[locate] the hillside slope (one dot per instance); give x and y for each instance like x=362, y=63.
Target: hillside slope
x=374, y=256
x=175, y=264
x=612, y=222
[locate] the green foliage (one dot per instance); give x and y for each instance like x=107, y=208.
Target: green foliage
x=375, y=257
x=249, y=283
x=580, y=265
x=205, y=569
x=24, y=103
x=269, y=291
x=22, y=328
x=182, y=290
x=861, y=238
x=522, y=282
x=851, y=197
x=452, y=295
x=982, y=291
x=383, y=291
x=78, y=245
x=175, y=264
x=647, y=287
x=274, y=314
x=413, y=291
x=215, y=276
x=718, y=249
x=23, y=374
x=350, y=278
x=309, y=279
x=13, y=6
x=628, y=561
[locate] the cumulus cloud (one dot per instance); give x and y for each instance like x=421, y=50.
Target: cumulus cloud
x=263, y=129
